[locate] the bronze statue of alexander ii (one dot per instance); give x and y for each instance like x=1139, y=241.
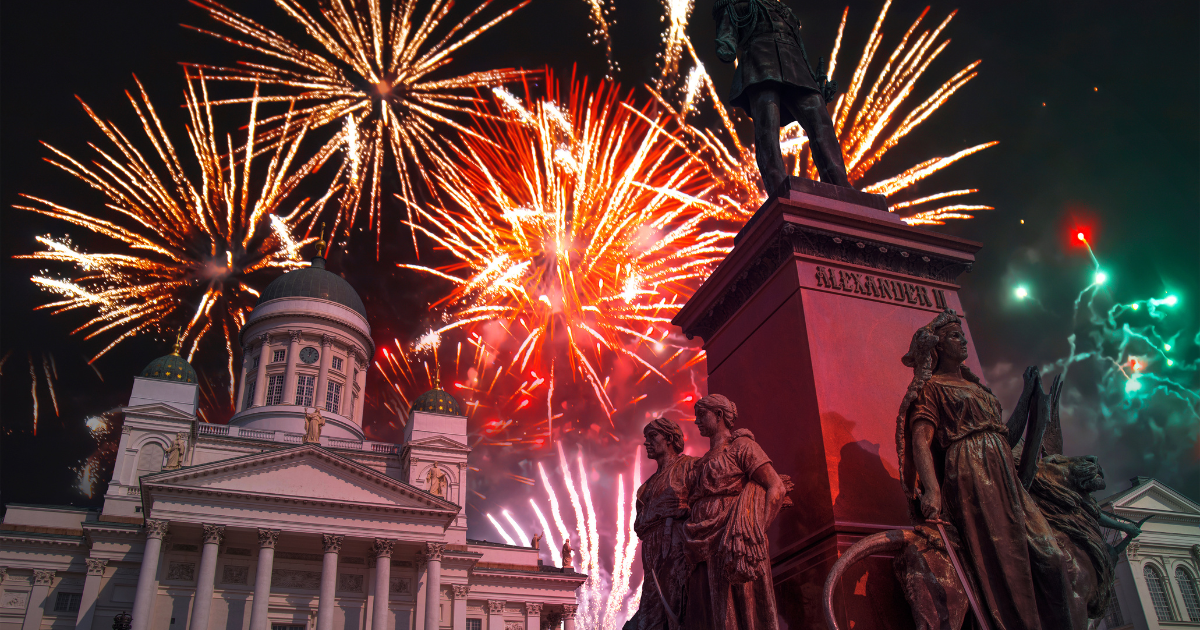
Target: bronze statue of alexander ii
x=775, y=84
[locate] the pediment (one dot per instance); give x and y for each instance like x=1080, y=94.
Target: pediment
x=159, y=411
x=306, y=473
x=1158, y=498
x=437, y=442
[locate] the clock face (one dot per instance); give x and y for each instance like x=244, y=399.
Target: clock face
x=309, y=355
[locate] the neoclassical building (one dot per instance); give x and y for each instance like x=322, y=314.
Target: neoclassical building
x=1158, y=575
x=248, y=526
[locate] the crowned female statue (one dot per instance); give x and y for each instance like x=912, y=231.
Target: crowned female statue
x=956, y=465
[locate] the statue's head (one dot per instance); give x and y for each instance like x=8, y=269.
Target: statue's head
x=713, y=410
x=1081, y=473
x=942, y=339
x=662, y=434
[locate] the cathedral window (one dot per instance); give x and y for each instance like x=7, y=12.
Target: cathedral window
x=275, y=389
x=305, y=385
x=67, y=602
x=1158, y=593
x=474, y=624
x=337, y=363
x=278, y=356
x=1112, y=614
x=1187, y=586
x=150, y=459
x=333, y=397
x=250, y=393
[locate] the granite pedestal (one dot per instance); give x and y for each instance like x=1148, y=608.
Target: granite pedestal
x=804, y=324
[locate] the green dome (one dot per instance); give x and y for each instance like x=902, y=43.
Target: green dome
x=314, y=282
x=171, y=367
x=436, y=401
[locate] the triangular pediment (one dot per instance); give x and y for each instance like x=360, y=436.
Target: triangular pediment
x=439, y=442
x=158, y=411
x=1153, y=496
x=306, y=473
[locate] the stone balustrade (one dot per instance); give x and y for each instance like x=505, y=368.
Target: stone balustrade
x=283, y=437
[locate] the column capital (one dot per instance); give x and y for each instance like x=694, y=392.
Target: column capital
x=95, y=566
x=213, y=534
x=495, y=607
x=461, y=590
x=3, y=574
x=434, y=551
x=533, y=608
x=327, y=340
x=267, y=538
x=331, y=543
x=569, y=609
x=156, y=528
x=462, y=466
x=43, y=577
x=126, y=429
x=383, y=547
x=265, y=338
x=295, y=337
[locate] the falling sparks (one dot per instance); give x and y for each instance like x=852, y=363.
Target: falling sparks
x=675, y=39
x=582, y=235
x=187, y=252
x=599, y=12
x=869, y=122
x=369, y=69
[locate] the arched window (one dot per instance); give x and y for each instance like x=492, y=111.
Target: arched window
x=1187, y=586
x=150, y=459
x=1158, y=593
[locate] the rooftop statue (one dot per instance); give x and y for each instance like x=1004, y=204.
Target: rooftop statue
x=1015, y=544
x=313, y=422
x=775, y=84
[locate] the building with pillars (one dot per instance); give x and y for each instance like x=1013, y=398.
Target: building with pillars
x=245, y=526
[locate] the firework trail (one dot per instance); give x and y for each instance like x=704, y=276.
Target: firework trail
x=580, y=238
x=190, y=251
x=868, y=122
x=599, y=12
x=675, y=39
x=368, y=69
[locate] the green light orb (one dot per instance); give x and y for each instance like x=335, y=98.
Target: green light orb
x=1132, y=385
x=1100, y=278
x=1021, y=293
x=1171, y=300
x=1170, y=362
x=1133, y=306
x=1166, y=347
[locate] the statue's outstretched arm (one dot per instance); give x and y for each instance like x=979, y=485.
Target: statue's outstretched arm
x=1020, y=414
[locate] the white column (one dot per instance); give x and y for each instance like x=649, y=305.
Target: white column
x=247, y=361
x=289, y=373
x=361, y=381
x=262, y=579
x=458, y=613
x=370, y=593
x=91, y=588
x=495, y=615
x=533, y=616
x=147, y=586
x=569, y=616
x=207, y=577
x=260, y=380
x=433, y=590
x=36, y=606
x=383, y=575
x=332, y=545
x=323, y=371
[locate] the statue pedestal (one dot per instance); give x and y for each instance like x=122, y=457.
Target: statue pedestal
x=804, y=324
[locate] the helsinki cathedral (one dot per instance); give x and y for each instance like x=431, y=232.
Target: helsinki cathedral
x=287, y=518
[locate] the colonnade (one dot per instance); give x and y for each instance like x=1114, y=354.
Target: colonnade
x=147, y=586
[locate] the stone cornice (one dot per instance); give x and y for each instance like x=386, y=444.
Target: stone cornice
x=31, y=538
x=169, y=490
x=536, y=576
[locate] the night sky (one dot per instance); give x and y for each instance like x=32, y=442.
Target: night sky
x=1096, y=107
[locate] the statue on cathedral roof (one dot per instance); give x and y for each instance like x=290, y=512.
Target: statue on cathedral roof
x=313, y=421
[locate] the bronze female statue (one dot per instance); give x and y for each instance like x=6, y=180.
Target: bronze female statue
x=735, y=495
x=662, y=510
x=957, y=465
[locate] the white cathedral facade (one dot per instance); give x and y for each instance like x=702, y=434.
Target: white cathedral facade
x=249, y=526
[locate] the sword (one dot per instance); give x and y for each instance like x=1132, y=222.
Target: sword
x=962, y=577
x=672, y=618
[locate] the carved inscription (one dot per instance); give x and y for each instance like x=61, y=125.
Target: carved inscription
x=874, y=286
x=350, y=582
x=291, y=578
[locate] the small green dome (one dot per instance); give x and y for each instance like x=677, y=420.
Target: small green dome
x=171, y=367
x=436, y=401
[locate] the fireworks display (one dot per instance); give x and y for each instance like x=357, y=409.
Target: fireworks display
x=183, y=250
x=371, y=69
x=579, y=239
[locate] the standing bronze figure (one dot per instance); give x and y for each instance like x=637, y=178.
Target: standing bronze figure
x=951, y=434
x=662, y=510
x=735, y=495
x=775, y=84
